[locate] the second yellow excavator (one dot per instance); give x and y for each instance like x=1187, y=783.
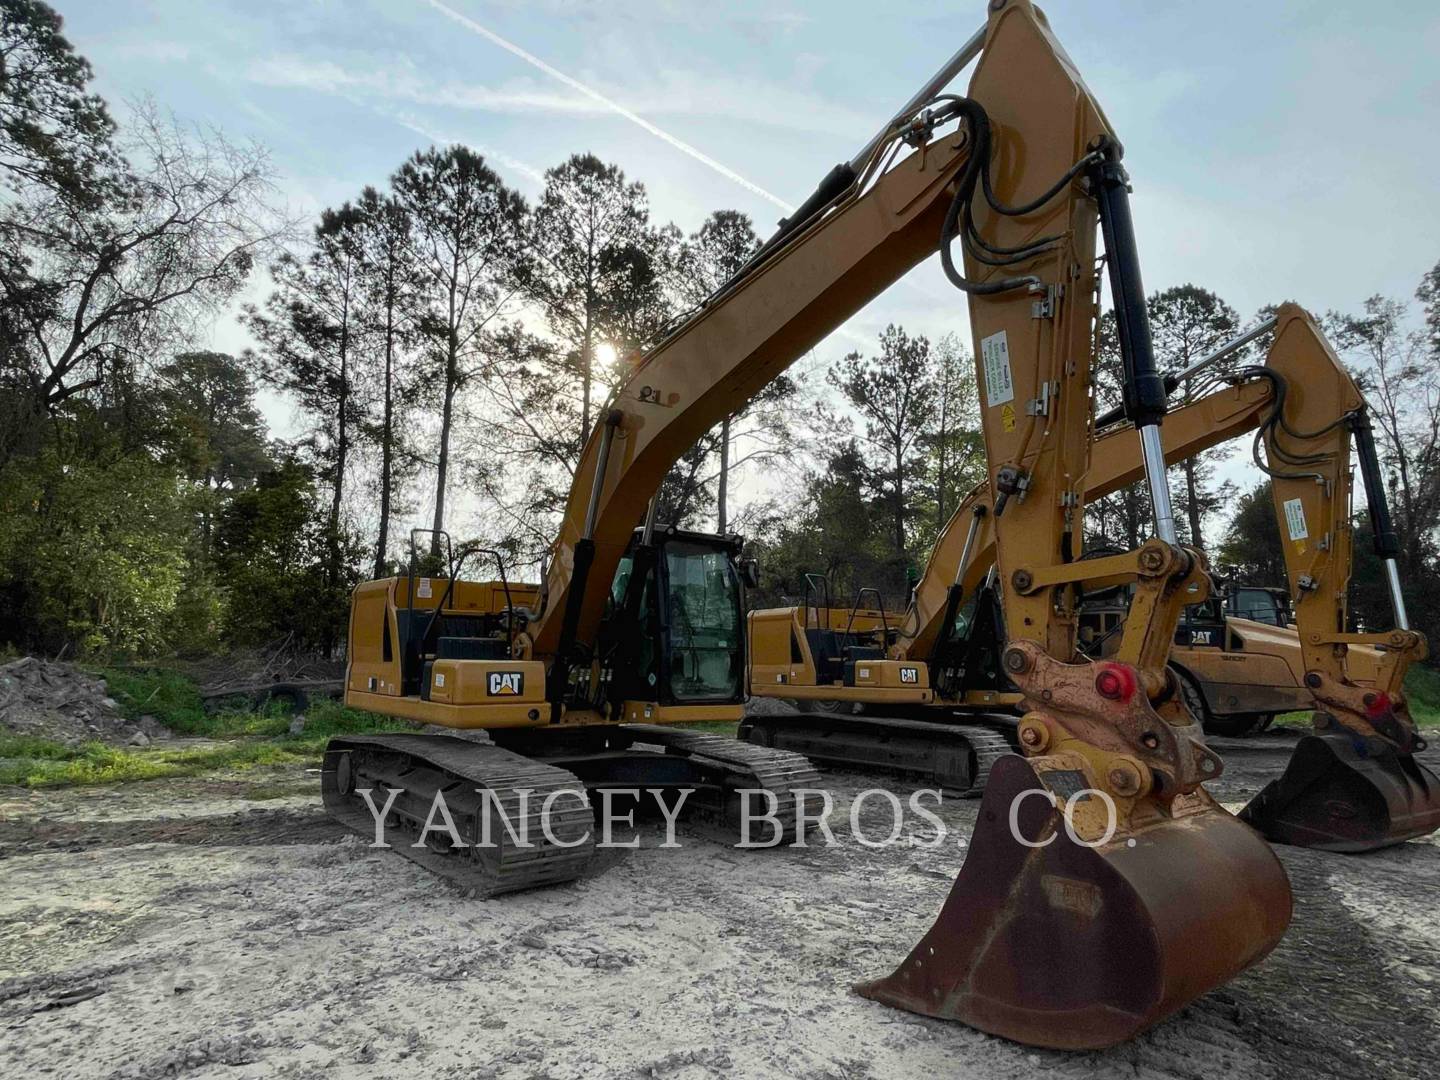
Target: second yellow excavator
x=1353, y=786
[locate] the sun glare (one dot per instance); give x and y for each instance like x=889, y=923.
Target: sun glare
x=605, y=355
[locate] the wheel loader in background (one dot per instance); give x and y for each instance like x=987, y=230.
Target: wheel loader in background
x=1240, y=659
x=1239, y=654
x=1145, y=893
x=1354, y=787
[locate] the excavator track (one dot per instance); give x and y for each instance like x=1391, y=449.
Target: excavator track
x=958, y=757
x=745, y=766
x=420, y=765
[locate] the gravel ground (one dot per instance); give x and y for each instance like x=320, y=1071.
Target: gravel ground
x=225, y=928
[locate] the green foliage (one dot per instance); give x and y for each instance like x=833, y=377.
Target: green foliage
x=93, y=554
x=838, y=534
x=896, y=394
x=197, y=622
x=1251, y=547
x=953, y=445
x=96, y=763
x=1422, y=687
x=326, y=719
x=244, y=739
x=54, y=135
x=273, y=547
x=28, y=746
x=213, y=433
x=170, y=697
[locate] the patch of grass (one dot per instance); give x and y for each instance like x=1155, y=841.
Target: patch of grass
x=273, y=719
x=167, y=695
x=1422, y=686
x=325, y=719
x=95, y=763
x=28, y=746
x=244, y=739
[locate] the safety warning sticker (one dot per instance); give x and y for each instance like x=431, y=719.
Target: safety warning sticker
x=1295, y=519
x=995, y=357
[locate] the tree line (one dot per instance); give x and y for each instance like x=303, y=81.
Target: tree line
x=447, y=345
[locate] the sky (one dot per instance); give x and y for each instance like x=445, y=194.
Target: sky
x=1280, y=150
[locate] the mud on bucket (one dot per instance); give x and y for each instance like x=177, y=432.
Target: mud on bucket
x=1075, y=947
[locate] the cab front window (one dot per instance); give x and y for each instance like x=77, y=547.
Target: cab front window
x=703, y=623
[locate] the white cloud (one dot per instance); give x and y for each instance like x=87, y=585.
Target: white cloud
x=399, y=80
x=668, y=92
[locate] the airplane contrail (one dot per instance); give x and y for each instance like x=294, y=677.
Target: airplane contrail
x=614, y=106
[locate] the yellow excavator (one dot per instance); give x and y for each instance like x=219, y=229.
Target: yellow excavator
x=1355, y=786
x=941, y=656
x=1104, y=888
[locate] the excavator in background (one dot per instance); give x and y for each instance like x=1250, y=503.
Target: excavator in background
x=1240, y=656
x=933, y=695
x=1374, y=794
x=1104, y=887
x=1353, y=784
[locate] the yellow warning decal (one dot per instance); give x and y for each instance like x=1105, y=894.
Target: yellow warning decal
x=1007, y=417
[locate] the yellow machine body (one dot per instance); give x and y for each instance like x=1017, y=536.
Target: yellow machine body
x=460, y=693
x=787, y=652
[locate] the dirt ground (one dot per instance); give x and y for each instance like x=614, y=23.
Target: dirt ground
x=225, y=928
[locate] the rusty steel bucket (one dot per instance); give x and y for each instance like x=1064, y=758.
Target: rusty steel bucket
x=1345, y=793
x=1078, y=948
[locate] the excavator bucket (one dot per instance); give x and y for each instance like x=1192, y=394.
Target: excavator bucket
x=1339, y=794
x=1077, y=947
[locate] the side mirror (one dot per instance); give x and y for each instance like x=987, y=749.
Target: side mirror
x=750, y=573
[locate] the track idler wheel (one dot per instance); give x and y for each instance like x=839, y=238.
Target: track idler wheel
x=1077, y=947
x=1343, y=792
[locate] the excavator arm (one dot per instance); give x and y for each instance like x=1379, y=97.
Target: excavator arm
x=965, y=549
x=1308, y=449
x=1160, y=892
x=1354, y=784
x=1357, y=786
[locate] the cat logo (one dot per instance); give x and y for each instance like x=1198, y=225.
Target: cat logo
x=507, y=683
x=909, y=675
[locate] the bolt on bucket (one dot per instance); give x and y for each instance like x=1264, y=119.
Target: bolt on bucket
x=1080, y=947
x=1342, y=792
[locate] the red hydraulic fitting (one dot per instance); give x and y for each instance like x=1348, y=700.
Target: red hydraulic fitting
x=1116, y=683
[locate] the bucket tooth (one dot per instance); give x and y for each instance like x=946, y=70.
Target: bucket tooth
x=1077, y=947
x=1341, y=792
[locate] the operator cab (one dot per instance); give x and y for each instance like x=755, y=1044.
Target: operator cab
x=1259, y=604
x=673, y=632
